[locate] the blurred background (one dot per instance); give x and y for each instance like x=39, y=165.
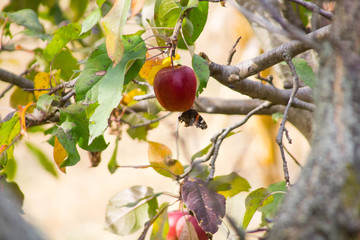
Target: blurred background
x=72, y=205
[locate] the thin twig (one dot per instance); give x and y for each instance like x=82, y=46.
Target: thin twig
x=239, y=232
x=6, y=90
x=292, y=156
x=226, y=131
x=314, y=8
x=281, y=131
x=149, y=95
x=269, y=79
x=257, y=230
x=217, y=140
x=68, y=96
x=177, y=28
x=233, y=51
x=148, y=224
x=151, y=121
x=290, y=28
x=177, y=140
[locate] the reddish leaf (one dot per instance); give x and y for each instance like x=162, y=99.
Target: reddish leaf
x=208, y=206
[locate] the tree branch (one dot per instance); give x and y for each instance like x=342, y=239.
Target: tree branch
x=235, y=76
x=19, y=81
x=280, y=134
x=314, y=8
x=301, y=119
x=268, y=59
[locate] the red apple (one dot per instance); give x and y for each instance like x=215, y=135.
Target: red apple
x=173, y=217
x=175, y=88
x=183, y=226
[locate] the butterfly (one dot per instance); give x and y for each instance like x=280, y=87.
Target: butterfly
x=191, y=117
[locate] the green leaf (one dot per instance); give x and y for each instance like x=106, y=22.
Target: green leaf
x=113, y=165
x=34, y=34
x=277, y=116
x=27, y=18
x=113, y=24
x=304, y=71
x=22, y=4
x=20, y=97
x=61, y=37
x=133, y=71
x=91, y=20
x=202, y=152
x=97, y=62
x=63, y=133
x=111, y=85
x=256, y=199
x=74, y=129
x=187, y=30
x=100, y=2
x=129, y=209
x=160, y=227
x=202, y=71
x=197, y=17
x=169, y=13
x=304, y=14
x=42, y=158
x=8, y=131
x=10, y=168
x=65, y=61
x=44, y=102
x=229, y=185
x=205, y=150
x=192, y=3
x=269, y=211
x=78, y=7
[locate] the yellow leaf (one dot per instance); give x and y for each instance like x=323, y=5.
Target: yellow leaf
x=128, y=98
x=41, y=81
x=160, y=158
x=167, y=61
x=22, y=112
x=113, y=24
x=152, y=66
x=59, y=154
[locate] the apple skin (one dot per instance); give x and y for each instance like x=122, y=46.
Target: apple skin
x=190, y=219
x=173, y=217
x=175, y=88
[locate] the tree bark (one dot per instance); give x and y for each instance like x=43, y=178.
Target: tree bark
x=325, y=201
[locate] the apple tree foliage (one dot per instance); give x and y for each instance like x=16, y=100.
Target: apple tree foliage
x=85, y=82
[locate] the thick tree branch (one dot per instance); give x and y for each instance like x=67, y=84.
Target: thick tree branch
x=268, y=59
x=301, y=119
x=19, y=81
x=235, y=76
